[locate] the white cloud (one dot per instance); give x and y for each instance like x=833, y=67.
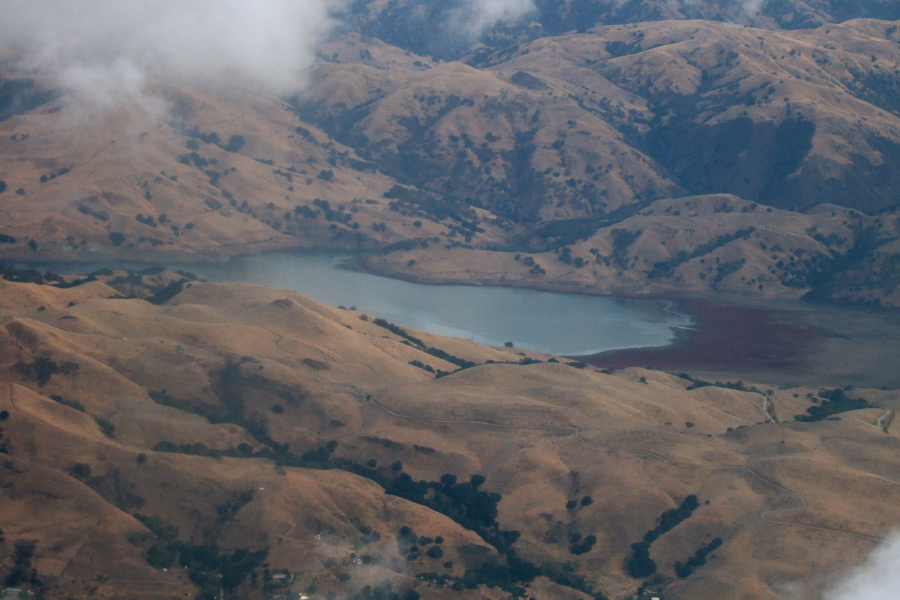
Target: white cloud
x=877, y=579
x=483, y=14
x=107, y=49
x=473, y=17
x=752, y=7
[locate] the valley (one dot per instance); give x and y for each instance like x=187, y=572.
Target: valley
x=666, y=367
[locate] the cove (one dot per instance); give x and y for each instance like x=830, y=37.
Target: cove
x=555, y=323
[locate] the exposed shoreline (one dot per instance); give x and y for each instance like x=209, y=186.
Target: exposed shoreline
x=780, y=341
x=727, y=337
x=730, y=334
x=775, y=339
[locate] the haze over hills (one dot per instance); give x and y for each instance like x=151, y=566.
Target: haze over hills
x=165, y=437
x=450, y=29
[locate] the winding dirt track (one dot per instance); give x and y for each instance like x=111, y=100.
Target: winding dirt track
x=768, y=408
x=885, y=420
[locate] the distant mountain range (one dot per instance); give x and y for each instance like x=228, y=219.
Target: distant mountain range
x=432, y=27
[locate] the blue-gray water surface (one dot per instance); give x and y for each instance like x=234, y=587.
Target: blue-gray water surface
x=562, y=324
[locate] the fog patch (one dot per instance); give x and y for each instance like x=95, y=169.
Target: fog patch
x=474, y=17
x=107, y=52
x=752, y=7
x=877, y=579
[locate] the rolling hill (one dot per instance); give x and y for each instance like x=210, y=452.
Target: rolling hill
x=530, y=148
x=253, y=432
x=165, y=437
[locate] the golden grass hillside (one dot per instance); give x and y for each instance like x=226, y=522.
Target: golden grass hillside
x=556, y=144
x=131, y=430
x=693, y=245
x=581, y=124
x=81, y=183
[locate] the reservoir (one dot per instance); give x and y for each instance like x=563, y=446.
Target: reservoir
x=562, y=324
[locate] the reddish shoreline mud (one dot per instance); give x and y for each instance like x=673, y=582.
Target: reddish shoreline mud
x=726, y=338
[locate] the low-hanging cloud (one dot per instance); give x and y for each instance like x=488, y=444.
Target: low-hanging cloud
x=877, y=579
x=103, y=49
x=752, y=7
x=475, y=16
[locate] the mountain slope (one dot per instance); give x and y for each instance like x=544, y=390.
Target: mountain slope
x=531, y=148
x=439, y=29
x=696, y=244
x=109, y=401
x=591, y=122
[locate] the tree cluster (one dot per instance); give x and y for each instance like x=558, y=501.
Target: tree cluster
x=835, y=401
x=684, y=569
x=639, y=564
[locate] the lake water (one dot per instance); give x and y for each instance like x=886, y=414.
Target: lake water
x=562, y=324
